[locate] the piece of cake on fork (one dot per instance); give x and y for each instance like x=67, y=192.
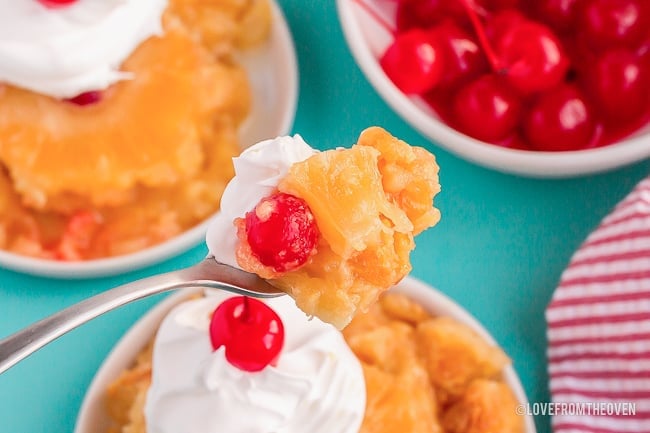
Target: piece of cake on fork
x=334, y=229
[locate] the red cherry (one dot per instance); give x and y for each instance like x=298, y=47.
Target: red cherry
x=86, y=98
x=413, y=61
x=620, y=85
x=644, y=49
x=560, y=120
x=487, y=109
x=426, y=13
x=251, y=332
x=464, y=59
x=527, y=53
x=282, y=232
x=497, y=5
x=609, y=23
x=559, y=14
x=56, y=3
x=532, y=57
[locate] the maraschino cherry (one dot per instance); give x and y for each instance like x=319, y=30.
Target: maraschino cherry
x=643, y=51
x=559, y=14
x=426, y=13
x=613, y=23
x=560, y=120
x=464, y=59
x=620, y=85
x=526, y=52
x=414, y=61
x=57, y=3
x=251, y=332
x=532, y=57
x=282, y=232
x=497, y=5
x=487, y=108
x=86, y=98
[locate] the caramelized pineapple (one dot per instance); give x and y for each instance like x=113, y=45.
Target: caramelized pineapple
x=455, y=355
x=401, y=307
x=399, y=403
x=486, y=406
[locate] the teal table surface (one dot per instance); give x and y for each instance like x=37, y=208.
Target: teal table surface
x=499, y=250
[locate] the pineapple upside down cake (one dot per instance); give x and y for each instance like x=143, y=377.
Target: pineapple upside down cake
x=418, y=373
x=129, y=143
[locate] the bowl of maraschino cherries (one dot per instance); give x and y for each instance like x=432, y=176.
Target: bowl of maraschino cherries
x=546, y=88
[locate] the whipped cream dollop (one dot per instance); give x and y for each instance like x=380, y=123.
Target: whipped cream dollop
x=258, y=171
x=317, y=385
x=68, y=50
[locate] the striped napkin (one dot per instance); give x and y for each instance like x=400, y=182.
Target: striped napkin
x=599, y=327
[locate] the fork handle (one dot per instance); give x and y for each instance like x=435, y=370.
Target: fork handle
x=18, y=346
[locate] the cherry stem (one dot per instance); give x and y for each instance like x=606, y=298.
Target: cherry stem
x=483, y=40
x=375, y=15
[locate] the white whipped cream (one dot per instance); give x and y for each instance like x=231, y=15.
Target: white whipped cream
x=258, y=170
x=317, y=385
x=71, y=49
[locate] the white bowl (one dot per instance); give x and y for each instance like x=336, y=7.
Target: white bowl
x=367, y=41
x=273, y=74
x=92, y=415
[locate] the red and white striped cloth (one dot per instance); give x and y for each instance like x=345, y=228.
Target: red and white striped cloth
x=599, y=325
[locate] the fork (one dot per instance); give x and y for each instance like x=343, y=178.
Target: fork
x=208, y=274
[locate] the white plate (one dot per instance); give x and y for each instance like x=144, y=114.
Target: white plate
x=368, y=40
x=92, y=415
x=273, y=73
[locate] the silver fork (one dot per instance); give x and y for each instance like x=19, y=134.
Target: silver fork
x=208, y=273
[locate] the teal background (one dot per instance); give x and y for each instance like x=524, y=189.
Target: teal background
x=498, y=251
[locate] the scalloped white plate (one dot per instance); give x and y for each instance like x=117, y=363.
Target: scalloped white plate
x=92, y=415
x=273, y=73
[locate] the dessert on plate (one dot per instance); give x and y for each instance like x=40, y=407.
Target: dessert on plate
x=394, y=369
x=334, y=229
x=118, y=119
